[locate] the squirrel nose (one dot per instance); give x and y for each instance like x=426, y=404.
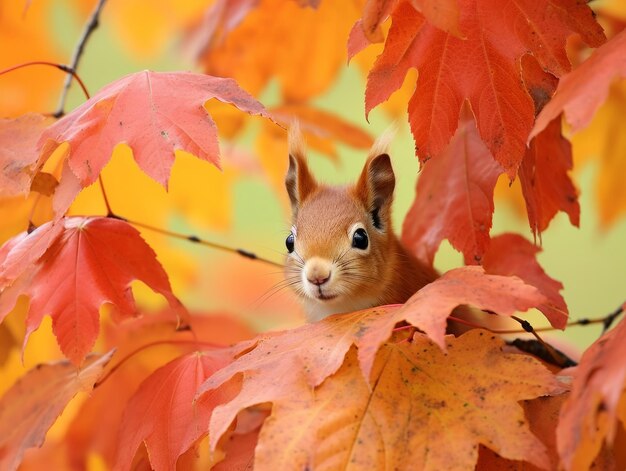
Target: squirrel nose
x=317, y=271
x=319, y=279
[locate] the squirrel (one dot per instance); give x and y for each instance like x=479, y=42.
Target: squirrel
x=343, y=254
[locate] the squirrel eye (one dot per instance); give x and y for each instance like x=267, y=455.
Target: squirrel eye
x=359, y=239
x=290, y=242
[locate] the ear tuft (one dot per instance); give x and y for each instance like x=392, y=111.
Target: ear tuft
x=297, y=144
x=383, y=143
x=298, y=181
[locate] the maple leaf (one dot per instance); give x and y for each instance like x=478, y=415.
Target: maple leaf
x=69, y=269
x=454, y=198
x=443, y=14
x=315, y=351
x=512, y=255
x=591, y=412
x=32, y=405
x=253, y=54
x=483, y=69
x=19, y=157
x=145, y=343
x=155, y=114
x=419, y=400
x=546, y=186
x=542, y=415
x=239, y=453
x=581, y=92
x=163, y=413
x=240, y=446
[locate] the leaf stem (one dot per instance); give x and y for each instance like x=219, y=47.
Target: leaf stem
x=69, y=70
x=92, y=24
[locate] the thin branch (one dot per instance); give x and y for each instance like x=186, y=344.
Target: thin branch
x=198, y=240
x=104, y=196
x=549, y=348
x=64, y=68
x=92, y=24
x=606, y=322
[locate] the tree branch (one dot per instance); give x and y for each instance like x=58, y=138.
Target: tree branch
x=92, y=24
x=198, y=240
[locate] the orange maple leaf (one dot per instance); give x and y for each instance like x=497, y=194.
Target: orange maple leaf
x=421, y=405
x=484, y=69
x=591, y=412
x=313, y=352
x=32, y=405
x=242, y=46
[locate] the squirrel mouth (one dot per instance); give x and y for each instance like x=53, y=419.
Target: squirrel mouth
x=325, y=297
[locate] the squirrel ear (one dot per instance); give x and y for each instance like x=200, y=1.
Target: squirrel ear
x=375, y=188
x=299, y=181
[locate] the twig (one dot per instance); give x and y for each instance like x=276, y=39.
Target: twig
x=104, y=196
x=92, y=24
x=62, y=67
x=198, y=240
x=608, y=320
x=529, y=328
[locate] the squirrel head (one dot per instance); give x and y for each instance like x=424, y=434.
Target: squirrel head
x=341, y=238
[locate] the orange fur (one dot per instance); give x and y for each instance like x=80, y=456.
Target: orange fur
x=325, y=219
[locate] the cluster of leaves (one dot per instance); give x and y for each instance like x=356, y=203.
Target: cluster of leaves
x=380, y=388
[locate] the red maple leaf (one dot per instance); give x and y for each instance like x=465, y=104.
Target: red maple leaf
x=70, y=268
x=454, y=198
x=581, y=92
x=546, y=185
x=155, y=114
x=512, y=255
x=484, y=69
x=163, y=413
x=145, y=344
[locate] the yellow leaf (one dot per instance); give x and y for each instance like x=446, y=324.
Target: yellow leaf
x=604, y=141
x=254, y=53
